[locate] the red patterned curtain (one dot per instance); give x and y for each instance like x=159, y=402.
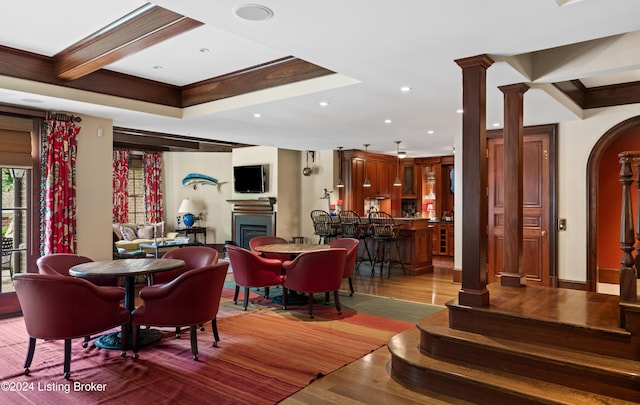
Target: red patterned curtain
x=58, y=191
x=152, y=166
x=120, y=186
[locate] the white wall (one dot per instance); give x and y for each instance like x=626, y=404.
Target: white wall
x=575, y=141
x=211, y=201
x=312, y=189
x=94, y=196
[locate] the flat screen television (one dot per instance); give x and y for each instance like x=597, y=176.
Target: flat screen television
x=249, y=179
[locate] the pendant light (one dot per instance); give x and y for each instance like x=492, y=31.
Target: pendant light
x=366, y=182
x=397, y=182
x=340, y=182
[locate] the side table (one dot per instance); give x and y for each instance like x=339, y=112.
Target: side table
x=194, y=230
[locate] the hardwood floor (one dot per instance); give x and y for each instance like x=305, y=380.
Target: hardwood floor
x=368, y=380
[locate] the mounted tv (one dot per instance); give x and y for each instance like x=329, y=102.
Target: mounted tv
x=249, y=179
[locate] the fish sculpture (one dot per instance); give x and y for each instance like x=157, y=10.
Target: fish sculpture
x=195, y=179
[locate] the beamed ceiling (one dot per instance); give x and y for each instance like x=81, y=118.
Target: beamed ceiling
x=147, y=69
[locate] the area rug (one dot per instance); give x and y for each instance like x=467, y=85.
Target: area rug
x=265, y=355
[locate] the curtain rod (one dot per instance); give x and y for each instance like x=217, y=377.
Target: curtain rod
x=62, y=117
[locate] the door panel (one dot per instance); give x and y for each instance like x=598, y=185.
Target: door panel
x=536, y=209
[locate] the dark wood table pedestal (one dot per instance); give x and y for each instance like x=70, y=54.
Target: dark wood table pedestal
x=129, y=269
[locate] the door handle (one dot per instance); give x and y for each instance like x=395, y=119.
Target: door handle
x=544, y=233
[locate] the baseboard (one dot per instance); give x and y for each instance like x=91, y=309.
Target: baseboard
x=609, y=276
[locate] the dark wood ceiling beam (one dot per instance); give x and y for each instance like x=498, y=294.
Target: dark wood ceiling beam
x=271, y=74
x=574, y=89
x=615, y=94
x=142, y=28
x=29, y=66
x=601, y=96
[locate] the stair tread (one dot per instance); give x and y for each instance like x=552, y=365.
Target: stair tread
x=406, y=346
x=581, y=309
x=438, y=324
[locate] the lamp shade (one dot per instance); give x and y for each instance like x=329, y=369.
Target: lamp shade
x=187, y=207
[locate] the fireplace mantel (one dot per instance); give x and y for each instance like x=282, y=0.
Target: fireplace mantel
x=250, y=218
x=261, y=204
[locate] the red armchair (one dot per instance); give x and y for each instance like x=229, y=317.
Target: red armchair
x=57, y=307
x=194, y=257
x=60, y=263
x=316, y=271
x=251, y=270
x=268, y=240
x=351, y=244
x=191, y=299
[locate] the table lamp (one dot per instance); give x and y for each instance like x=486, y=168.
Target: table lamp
x=187, y=208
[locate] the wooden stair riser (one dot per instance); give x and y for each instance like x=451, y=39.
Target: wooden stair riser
x=608, y=343
x=459, y=386
x=583, y=377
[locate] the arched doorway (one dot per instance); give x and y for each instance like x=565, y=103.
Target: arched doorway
x=603, y=199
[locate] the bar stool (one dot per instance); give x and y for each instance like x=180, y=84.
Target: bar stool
x=385, y=233
x=324, y=226
x=352, y=226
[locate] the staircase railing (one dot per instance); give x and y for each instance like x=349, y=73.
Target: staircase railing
x=629, y=264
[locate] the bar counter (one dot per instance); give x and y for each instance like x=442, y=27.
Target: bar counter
x=415, y=245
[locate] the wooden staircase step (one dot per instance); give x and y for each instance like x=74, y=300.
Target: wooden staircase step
x=577, y=320
x=607, y=375
x=477, y=384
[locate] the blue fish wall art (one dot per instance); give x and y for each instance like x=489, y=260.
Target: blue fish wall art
x=195, y=179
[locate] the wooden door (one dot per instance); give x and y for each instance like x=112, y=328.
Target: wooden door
x=537, y=257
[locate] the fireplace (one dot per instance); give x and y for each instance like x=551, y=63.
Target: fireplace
x=251, y=218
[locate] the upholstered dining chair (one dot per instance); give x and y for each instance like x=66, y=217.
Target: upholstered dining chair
x=194, y=257
x=268, y=240
x=250, y=270
x=351, y=244
x=58, y=264
x=65, y=308
x=190, y=300
x=316, y=271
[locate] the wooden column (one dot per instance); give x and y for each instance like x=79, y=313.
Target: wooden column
x=513, y=275
x=474, y=178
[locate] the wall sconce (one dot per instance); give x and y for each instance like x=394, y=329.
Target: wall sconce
x=366, y=182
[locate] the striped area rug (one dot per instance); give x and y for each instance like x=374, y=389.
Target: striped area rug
x=265, y=355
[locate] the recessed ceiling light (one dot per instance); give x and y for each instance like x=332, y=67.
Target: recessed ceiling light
x=157, y=67
x=253, y=12
x=459, y=111
x=323, y=103
x=405, y=89
x=387, y=121
x=257, y=115
x=204, y=50
x=430, y=132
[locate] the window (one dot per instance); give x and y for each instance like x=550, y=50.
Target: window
x=136, y=190
x=14, y=224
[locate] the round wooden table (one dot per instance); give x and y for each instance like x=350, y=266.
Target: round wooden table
x=292, y=248
x=129, y=269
